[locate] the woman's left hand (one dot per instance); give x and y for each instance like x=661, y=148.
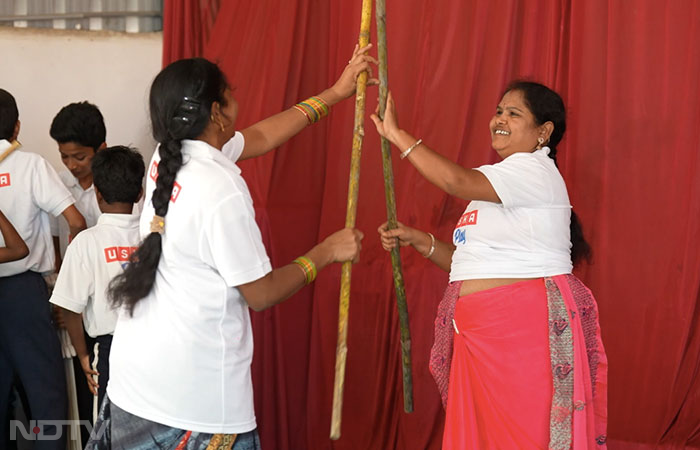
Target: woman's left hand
x=358, y=63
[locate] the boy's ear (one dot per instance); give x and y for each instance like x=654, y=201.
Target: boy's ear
x=101, y=147
x=16, y=131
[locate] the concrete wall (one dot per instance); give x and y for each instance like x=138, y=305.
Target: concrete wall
x=47, y=69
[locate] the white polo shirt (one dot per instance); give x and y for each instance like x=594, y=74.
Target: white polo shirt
x=525, y=236
x=95, y=256
x=183, y=359
x=30, y=191
x=85, y=201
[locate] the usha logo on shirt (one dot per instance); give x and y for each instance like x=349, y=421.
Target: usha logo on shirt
x=4, y=179
x=468, y=218
x=122, y=254
x=153, y=173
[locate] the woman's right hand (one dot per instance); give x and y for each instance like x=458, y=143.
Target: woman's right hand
x=402, y=234
x=344, y=245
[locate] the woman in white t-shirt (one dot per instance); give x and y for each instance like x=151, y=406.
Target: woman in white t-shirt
x=180, y=359
x=517, y=341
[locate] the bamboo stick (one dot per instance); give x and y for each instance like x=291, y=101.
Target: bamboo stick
x=391, y=213
x=14, y=146
x=353, y=189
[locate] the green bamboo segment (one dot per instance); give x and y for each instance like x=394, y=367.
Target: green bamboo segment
x=391, y=213
x=353, y=189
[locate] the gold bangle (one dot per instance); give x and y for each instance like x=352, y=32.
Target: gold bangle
x=432, y=245
x=410, y=149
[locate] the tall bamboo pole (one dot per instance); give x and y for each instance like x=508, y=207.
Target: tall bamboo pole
x=341, y=350
x=391, y=213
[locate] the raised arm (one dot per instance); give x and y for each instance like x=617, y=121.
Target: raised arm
x=15, y=248
x=274, y=131
x=282, y=283
x=467, y=184
x=437, y=251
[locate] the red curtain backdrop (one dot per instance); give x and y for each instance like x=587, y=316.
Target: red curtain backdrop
x=629, y=73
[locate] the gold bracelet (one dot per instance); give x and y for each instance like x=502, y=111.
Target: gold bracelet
x=410, y=149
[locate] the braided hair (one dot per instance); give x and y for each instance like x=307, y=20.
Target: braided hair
x=547, y=106
x=180, y=103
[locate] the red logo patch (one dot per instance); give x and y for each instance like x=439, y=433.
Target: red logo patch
x=4, y=179
x=119, y=253
x=153, y=173
x=468, y=218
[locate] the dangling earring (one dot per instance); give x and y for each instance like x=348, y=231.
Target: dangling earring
x=540, y=141
x=223, y=128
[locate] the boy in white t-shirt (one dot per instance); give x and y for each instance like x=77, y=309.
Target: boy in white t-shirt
x=30, y=191
x=97, y=255
x=79, y=130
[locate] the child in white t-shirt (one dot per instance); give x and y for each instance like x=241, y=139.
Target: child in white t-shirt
x=79, y=130
x=30, y=191
x=97, y=255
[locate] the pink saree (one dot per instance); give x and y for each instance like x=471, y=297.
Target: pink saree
x=528, y=369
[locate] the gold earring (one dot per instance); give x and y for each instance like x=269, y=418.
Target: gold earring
x=223, y=128
x=540, y=141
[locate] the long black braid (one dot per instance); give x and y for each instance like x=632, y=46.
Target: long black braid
x=180, y=103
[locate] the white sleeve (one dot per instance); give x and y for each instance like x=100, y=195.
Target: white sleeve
x=76, y=281
x=521, y=180
x=231, y=241
x=53, y=223
x=49, y=192
x=234, y=147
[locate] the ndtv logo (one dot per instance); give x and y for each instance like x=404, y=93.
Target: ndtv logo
x=52, y=430
x=153, y=173
x=119, y=253
x=4, y=179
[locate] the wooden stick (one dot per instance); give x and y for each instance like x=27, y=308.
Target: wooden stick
x=391, y=213
x=341, y=350
x=14, y=146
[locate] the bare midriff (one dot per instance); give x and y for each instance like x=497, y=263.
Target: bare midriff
x=472, y=286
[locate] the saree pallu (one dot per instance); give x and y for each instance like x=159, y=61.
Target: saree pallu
x=528, y=368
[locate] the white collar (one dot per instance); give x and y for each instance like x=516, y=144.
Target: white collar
x=123, y=220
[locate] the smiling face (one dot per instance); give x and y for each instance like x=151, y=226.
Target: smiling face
x=77, y=159
x=513, y=127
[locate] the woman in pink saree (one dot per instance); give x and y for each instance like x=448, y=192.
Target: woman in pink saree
x=517, y=356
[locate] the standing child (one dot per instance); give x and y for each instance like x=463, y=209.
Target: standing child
x=79, y=130
x=30, y=191
x=14, y=247
x=96, y=256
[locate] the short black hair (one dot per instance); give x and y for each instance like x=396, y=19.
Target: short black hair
x=117, y=173
x=8, y=114
x=81, y=123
